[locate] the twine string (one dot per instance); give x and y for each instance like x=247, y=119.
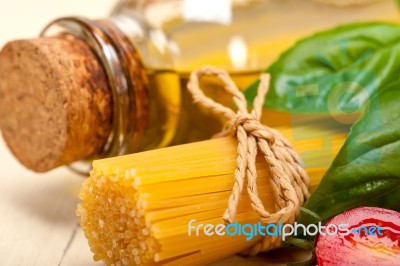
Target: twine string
x=289, y=180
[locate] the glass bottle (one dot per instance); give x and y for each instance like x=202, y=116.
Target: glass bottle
x=173, y=37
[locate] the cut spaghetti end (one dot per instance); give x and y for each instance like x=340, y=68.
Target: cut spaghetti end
x=113, y=224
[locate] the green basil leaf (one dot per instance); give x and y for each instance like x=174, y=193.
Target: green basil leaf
x=367, y=169
x=334, y=71
x=350, y=68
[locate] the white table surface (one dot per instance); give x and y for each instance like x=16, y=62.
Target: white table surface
x=38, y=225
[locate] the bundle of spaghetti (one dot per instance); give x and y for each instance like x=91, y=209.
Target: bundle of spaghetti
x=136, y=208
x=148, y=208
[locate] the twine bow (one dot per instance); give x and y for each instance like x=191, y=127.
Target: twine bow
x=288, y=179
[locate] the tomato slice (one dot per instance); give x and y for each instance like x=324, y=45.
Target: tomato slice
x=362, y=236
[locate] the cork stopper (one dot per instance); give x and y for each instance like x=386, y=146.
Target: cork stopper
x=55, y=104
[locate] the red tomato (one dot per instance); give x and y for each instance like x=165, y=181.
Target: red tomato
x=371, y=237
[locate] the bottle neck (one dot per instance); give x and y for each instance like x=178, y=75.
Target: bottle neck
x=126, y=76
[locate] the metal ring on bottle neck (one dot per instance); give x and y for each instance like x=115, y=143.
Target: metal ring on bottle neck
x=126, y=78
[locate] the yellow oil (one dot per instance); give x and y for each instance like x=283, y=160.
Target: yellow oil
x=174, y=118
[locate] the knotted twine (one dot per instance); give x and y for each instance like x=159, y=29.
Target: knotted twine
x=289, y=180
